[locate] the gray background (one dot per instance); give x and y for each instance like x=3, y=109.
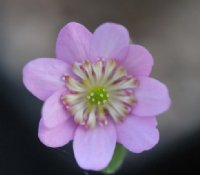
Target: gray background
x=168, y=29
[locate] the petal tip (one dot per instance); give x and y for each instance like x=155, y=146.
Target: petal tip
x=73, y=43
x=89, y=144
x=57, y=136
x=152, y=97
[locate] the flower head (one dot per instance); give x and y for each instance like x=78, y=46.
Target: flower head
x=97, y=92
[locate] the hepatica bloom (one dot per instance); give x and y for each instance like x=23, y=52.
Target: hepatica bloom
x=97, y=92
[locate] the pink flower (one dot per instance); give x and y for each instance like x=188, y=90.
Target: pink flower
x=97, y=92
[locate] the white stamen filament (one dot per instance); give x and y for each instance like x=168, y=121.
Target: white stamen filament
x=104, y=90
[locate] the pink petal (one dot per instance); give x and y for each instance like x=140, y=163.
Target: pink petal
x=138, y=134
x=136, y=59
x=43, y=76
x=58, y=136
x=107, y=40
x=73, y=43
x=152, y=97
x=93, y=148
x=53, y=111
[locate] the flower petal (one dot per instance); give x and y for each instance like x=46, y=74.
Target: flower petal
x=138, y=134
x=53, y=111
x=93, y=148
x=43, y=76
x=57, y=136
x=136, y=59
x=107, y=40
x=152, y=97
x=73, y=43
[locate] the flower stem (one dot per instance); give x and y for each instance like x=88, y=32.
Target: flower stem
x=117, y=160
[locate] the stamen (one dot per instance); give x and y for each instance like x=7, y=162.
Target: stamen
x=101, y=116
x=123, y=97
x=105, y=90
x=109, y=67
x=78, y=116
x=91, y=119
x=74, y=85
x=78, y=71
x=119, y=73
x=98, y=68
x=88, y=68
x=121, y=108
x=73, y=99
x=128, y=83
x=115, y=115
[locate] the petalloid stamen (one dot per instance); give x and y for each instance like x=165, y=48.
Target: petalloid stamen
x=102, y=89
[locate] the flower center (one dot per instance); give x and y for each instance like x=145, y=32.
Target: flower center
x=98, y=91
x=98, y=95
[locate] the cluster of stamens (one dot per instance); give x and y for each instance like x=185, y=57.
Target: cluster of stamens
x=98, y=90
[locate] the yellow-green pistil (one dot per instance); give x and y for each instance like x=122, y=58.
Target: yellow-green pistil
x=98, y=95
